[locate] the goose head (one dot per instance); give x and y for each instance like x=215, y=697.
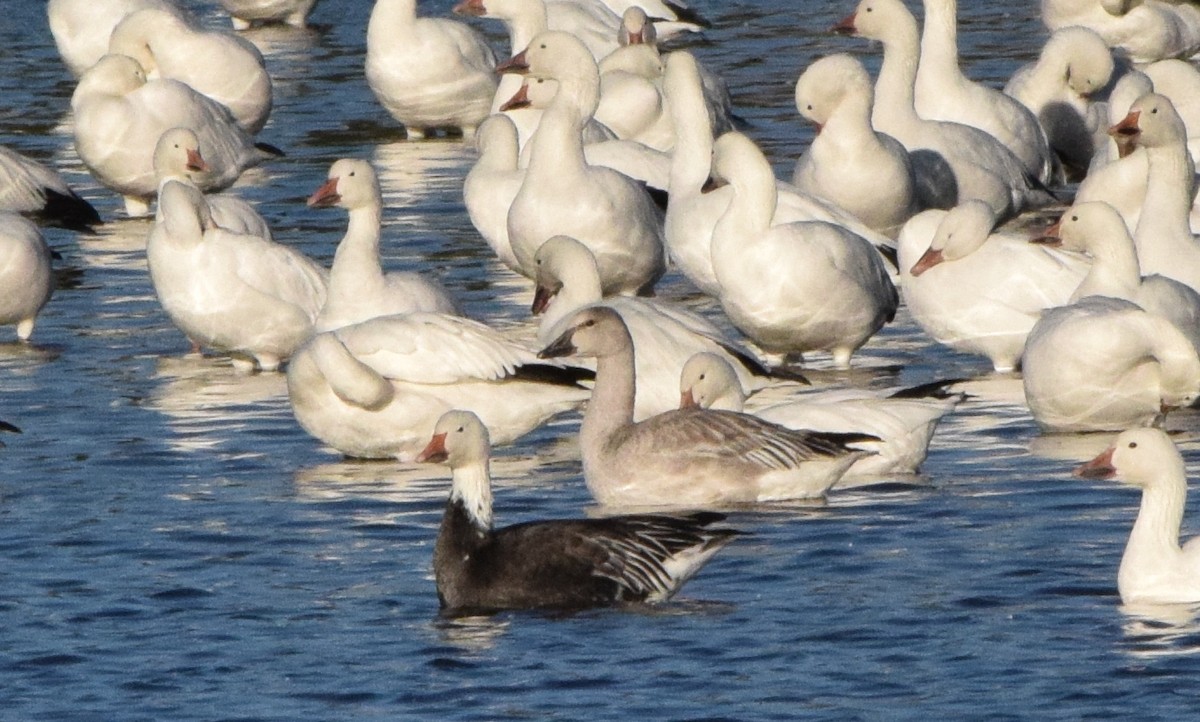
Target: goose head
x=708, y=381
x=1086, y=59
x=962, y=231
x=823, y=85
x=1083, y=224
x=459, y=439
x=875, y=19
x=177, y=153
x=563, y=262
x=636, y=28
x=112, y=75
x=1152, y=122
x=352, y=184
x=553, y=54
x=735, y=158
x=596, y=331
x=1143, y=457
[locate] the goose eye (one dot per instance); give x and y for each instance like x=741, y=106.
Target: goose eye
x=810, y=106
x=1074, y=218
x=701, y=377
x=1133, y=444
x=351, y=174
x=589, y=323
x=1153, y=111
x=543, y=46
x=460, y=429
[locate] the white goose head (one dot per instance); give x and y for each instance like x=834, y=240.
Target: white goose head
x=824, y=84
x=564, y=263
x=352, y=184
x=962, y=231
x=1146, y=458
x=709, y=382
x=177, y=154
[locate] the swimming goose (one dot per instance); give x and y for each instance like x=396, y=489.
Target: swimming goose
x=1154, y=569
x=686, y=457
x=792, y=287
x=119, y=116
x=358, y=287
x=81, y=28
x=26, y=279
x=848, y=163
x=556, y=564
x=980, y=291
x=664, y=335
x=35, y=189
x=216, y=63
x=903, y=424
x=1104, y=364
x=953, y=162
x=620, y=223
x=429, y=73
x=250, y=297
x=943, y=92
x=375, y=389
x=245, y=13
x=1146, y=30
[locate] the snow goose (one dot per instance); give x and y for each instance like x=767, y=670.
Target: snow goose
x=1104, y=364
x=848, y=163
x=1154, y=569
x=118, y=113
x=358, y=287
x=943, y=92
x=245, y=13
x=375, y=390
x=1097, y=229
x=241, y=294
x=177, y=158
x=664, y=336
x=216, y=63
x=429, y=73
x=81, y=28
x=620, y=223
x=686, y=457
x=980, y=291
x=26, y=279
x=1146, y=30
x=1073, y=64
x=551, y=564
x=979, y=166
x=792, y=287
x=35, y=189
x=492, y=184
x=669, y=16
x=903, y=424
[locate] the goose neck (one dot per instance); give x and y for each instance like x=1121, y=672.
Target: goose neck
x=1115, y=271
x=1156, y=531
x=556, y=149
x=357, y=256
x=1168, y=193
x=389, y=18
x=894, y=88
x=611, y=406
x=473, y=489
x=939, y=38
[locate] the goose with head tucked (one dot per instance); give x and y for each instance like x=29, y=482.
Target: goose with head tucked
x=245, y=295
x=669, y=17
x=246, y=13
x=686, y=457
x=358, y=287
x=120, y=114
x=792, y=287
x=37, y=190
x=1155, y=568
x=978, y=290
x=904, y=422
x=1145, y=30
x=429, y=73
x=82, y=28
x=374, y=390
x=551, y=564
x=26, y=278
x=664, y=336
x=493, y=183
x=620, y=223
x=216, y=63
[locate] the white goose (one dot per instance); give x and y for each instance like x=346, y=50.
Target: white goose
x=118, y=112
x=664, y=336
x=252, y=298
x=429, y=73
x=848, y=163
x=943, y=92
x=792, y=287
x=686, y=457
x=670, y=17
x=81, y=28
x=1103, y=364
x=493, y=183
x=245, y=13
x=375, y=389
x=904, y=425
x=620, y=223
x=216, y=63
x=1154, y=569
x=36, y=189
x=358, y=287
x=26, y=279
x=1146, y=30
x=978, y=291
x=954, y=162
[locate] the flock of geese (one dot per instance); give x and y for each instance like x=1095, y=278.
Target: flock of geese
x=602, y=161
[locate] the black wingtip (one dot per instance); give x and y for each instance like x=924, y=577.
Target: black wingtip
x=930, y=390
x=891, y=255
x=69, y=211
x=688, y=15
x=555, y=375
x=270, y=149
x=11, y=428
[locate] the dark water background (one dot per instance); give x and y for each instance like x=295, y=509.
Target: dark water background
x=174, y=547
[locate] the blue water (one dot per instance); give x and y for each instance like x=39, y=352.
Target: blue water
x=174, y=547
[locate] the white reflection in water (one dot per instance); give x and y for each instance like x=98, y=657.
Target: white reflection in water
x=1161, y=630
x=472, y=634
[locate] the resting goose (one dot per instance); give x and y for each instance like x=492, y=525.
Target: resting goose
x=1145, y=30
x=245, y=13
x=358, y=287
x=255, y=299
x=119, y=116
x=904, y=424
x=1154, y=569
x=980, y=291
x=82, y=28
x=792, y=287
x=37, y=190
x=493, y=183
x=670, y=17
x=26, y=279
x=686, y=457
x=374, y=390
x=555, y=564
x=429, y=73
